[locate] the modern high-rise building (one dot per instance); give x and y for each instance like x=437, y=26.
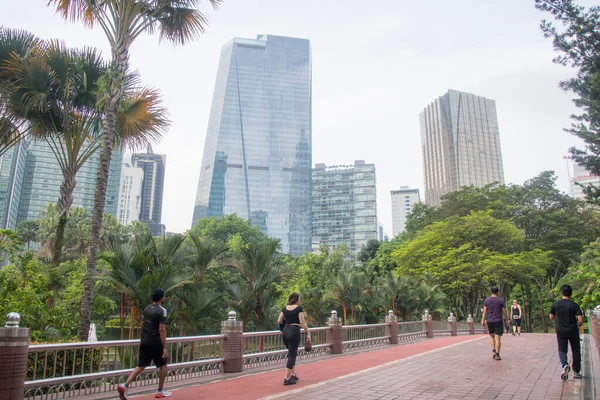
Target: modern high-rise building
x=153, y=167
x=258, y=155
x=130, y=194
x=12, y=168
x=403, y=201
x=43, y=177
x=581, y=178
x=344, y=205
x=460, y=143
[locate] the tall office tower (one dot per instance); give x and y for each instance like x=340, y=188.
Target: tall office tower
x=130, y=194
x=257, y=156
x=461, y=144
x=582, y=176
x=153, y=166
x=43, y=177
x=344, y=205
x=12, y=168
x=403, y=201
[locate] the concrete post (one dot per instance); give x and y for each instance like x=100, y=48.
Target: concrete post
x=14, y=349
x=471, y=322
x=427, y=324
x=453, y=325
x=392, y=329
x=334, y=334
x=232, y=347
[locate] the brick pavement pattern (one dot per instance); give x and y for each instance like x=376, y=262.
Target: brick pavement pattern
x=529, y=369
x=442, y=368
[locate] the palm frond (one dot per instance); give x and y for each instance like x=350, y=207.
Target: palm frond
x=142, y=119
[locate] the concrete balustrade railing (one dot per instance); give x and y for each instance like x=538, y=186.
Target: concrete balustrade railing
x=78, y=369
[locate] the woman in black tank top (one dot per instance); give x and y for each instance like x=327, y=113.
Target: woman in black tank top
x=517, y=313
x=292, y=315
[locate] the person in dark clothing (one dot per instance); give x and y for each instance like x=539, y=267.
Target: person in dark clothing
x=567, y=317
x=153, y=345
x=494, y=308
x=517, y=314
x=293, y=315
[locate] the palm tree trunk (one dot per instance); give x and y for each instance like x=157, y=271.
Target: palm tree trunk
x=109, y=124
x=64, y=205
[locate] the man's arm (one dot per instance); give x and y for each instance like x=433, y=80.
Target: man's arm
x=551, y=316
x=163, y=338
x=505, y=312
x=520, y=311
x=483, y=315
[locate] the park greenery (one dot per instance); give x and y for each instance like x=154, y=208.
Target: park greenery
x=527, y=239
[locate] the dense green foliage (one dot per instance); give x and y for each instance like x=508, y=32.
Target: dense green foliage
x=577, y=40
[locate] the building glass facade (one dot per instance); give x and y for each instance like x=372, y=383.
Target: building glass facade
x=344, y=205
x=257, y=156
x=12, y=168
x=130, y=194
x=153, y=167
x=460, y=143
x=42, y=179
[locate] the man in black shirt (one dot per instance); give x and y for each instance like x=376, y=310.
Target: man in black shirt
x=567, y=317
x=153, y=345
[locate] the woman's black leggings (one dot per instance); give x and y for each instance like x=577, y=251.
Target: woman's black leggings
x=291, y=339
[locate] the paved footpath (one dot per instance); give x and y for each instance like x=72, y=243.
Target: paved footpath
x=443, y=368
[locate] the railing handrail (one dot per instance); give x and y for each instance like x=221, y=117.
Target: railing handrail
x=116, y=343
x=365, y=326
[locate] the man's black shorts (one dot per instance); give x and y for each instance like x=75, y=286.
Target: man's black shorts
x=149, y=353
x=497, y=328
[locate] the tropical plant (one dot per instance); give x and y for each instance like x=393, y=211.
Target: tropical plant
x=15, y=44
x=259, y=269
x=123, y=21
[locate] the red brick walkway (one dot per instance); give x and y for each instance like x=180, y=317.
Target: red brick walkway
x=444, y=368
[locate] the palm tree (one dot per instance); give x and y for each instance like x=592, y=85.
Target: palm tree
x=259, y=269
x=56, y=92
x=14, y=44
x=243, y=301
x=137, y=269
x=123, y=21
x=203, y=254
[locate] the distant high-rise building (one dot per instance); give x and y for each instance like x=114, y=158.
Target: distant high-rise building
x=43, y=177
x=380, y=232
x=257, y=156
x=130, y=194
x=403, y=201
x=461, y=144
x=12, y=169
x=581, y=178
x=344, y=205
x=153, y=167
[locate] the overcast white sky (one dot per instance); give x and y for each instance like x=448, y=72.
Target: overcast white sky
x=376, y=65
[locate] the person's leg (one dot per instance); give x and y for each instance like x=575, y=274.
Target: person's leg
x=514, y=328
x=576, y=349
x=162, y=376
x=563, y=344
x=294, y=342
x=498, y=340
x=493, y=342
x=285, y=335
x=136, y=371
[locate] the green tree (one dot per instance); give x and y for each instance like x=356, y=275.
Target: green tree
x=15, y=44
x=369, y=251
x=585, y=277
x=123, y=21
x=260, y=271
x=228, y=229
x=465, y=255
x=27, y=232
x=577, y=40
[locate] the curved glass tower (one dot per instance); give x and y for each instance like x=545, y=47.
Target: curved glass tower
x=258, y=155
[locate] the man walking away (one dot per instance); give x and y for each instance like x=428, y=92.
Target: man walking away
x=567, y=317
x=493, y=309
x=153, y=345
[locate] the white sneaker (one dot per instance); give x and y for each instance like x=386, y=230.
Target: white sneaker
x=565, y=373
x=162, y=393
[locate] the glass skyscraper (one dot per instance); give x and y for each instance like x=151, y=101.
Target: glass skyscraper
x=42, y=179
x=461, y=144
x=12, y=168
x=344, y=205
x=258, y=155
